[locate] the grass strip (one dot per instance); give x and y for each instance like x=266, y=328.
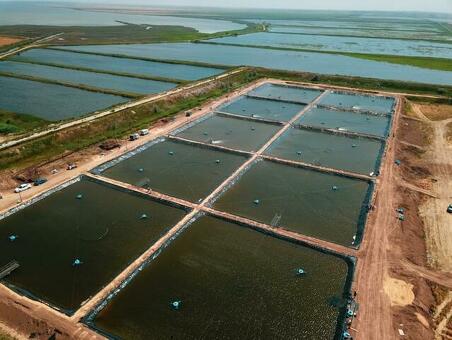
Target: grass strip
x=16, y=123
x=73, y=85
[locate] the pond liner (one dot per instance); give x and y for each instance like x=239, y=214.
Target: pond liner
x=357, y=111
x=349, y=260
x=89, y=318
x=31, y=296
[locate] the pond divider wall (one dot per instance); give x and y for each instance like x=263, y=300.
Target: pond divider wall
x=248, y=118
x=88, y=319
x=254, y=96
x=339, y=132
x=209, y=146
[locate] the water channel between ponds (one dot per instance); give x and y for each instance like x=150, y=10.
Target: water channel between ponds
x=103, y=227
x=230, y=282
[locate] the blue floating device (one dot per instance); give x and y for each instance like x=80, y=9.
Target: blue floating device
x=176, y=304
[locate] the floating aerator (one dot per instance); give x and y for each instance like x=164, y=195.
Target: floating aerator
x=171, y=153
x=176, y=304
x=143, y=217
x=140, y=170
x=79, y=196
x=76, y=262
x=334, y=188
x=301, y=271
x=299, y=153
x=354, y=145
x=217, y=161
x=256, y=202
x=12, y=237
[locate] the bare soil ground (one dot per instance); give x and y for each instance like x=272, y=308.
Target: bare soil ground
x=4, y=41
x=395, y=282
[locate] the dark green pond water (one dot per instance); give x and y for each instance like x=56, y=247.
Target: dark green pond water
x=272, y=91
x=104, y=229
x=233, y=283
x=346, y=121
x=49, y=101
x=230, y=132
x=298, y=199
x=333, y=151
x=177, y=169
x=262, y=108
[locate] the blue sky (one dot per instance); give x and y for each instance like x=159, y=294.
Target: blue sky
x=442, y=6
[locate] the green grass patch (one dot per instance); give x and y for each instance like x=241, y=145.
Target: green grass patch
x=16, y=123
x=120, y=34
x=441, y=64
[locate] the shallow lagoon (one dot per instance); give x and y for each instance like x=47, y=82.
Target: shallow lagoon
x=49, y=101
x=233, y=283
x=282, y=60
x=98, y=80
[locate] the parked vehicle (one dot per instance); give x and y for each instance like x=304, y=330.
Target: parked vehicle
x=22, y=187
x=134, y=136
x=40, y=181
x=449, y=209
x=144, y=132
x=71, y=166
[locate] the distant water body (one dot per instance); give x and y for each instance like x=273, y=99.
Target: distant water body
x=56, y=14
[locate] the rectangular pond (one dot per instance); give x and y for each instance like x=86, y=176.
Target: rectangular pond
x=353, y=101
x=312, y=203
x=324, y=63
x=346, y=121
x=103, y=227
x=49, y=101
x=262, y=108
x=97, y=80
x=112, y=64
x=342, y=44
x=174, y=168
x=355, y=154
x=230, y=132
x=289, y=93
x=231, y=282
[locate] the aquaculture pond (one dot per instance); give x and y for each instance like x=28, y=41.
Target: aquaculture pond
x=230, y=132
x=346, y=121
x=176, y=169
x=231, y=282
x=326, y=206
x=122, y=65
x=262, y=108
x=276, y=59
x=49, y=101
x=349, y=101
x=342, y=44
x=355, y=154
x=288, y=93
x=97, y=80
x=102, y=227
